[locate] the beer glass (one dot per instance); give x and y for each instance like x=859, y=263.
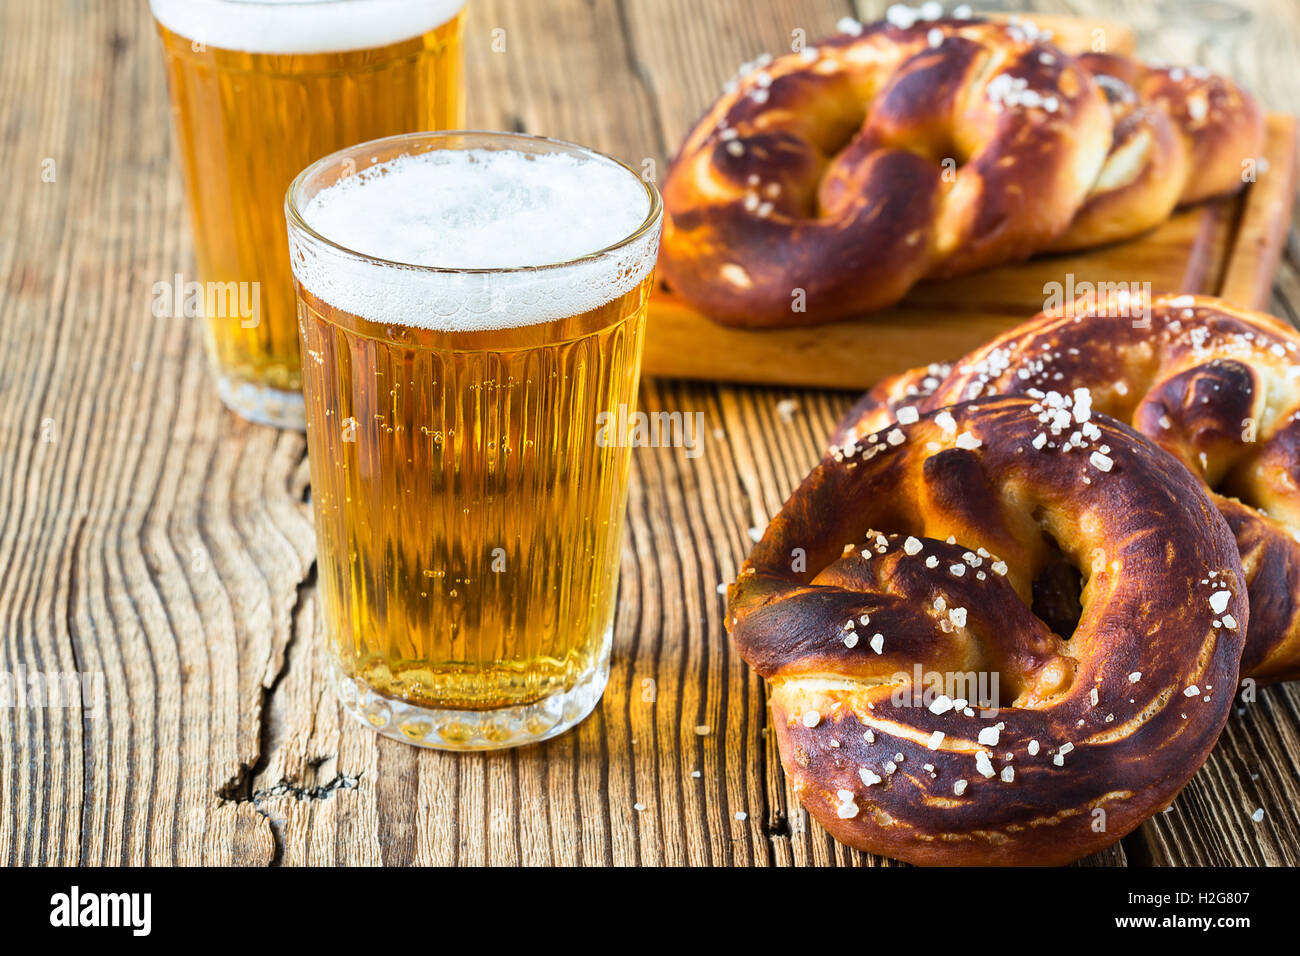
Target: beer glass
x=471, y=309
x=259, y=89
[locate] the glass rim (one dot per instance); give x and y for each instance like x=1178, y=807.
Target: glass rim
x=296, y=220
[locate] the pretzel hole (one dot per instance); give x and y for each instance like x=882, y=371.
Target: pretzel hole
x=1057, y=594
x=1052, y=587
x=1059, y=586
x=835, y=136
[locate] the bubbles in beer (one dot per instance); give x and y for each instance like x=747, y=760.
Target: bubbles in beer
x=477, y=209
x=302, y=26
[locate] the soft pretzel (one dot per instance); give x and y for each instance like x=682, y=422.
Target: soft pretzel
x=919, y=549
x=828, y=182
x=1216, y=386
x=1181, y=135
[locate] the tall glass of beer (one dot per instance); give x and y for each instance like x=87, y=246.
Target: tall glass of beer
x=471, y=309
x=259, y=89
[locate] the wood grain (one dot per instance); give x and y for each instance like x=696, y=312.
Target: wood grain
x=149, y=536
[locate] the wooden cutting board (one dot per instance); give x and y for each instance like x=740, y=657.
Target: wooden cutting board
x=1229, y=248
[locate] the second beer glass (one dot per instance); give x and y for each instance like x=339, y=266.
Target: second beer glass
x=471, y=308
x=259, y=89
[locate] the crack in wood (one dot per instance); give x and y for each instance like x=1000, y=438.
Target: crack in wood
x=275, y=823
x=240, y=788
x=287, y=788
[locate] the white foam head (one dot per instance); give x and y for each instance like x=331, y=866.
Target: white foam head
x=477, y=209
x=302, y=26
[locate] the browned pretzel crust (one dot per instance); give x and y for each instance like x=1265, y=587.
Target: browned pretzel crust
x=1216, y=386
x=834, y=179
x=1181, y=135
x=921, y=546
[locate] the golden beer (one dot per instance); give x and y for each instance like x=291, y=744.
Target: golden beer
x=468, y=493
x=259, y=90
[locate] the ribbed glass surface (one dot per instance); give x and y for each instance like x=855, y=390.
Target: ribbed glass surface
x=468, y=512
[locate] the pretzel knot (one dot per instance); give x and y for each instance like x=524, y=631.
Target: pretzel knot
x=1216, y=386
x=949, y=558
x=826, y=183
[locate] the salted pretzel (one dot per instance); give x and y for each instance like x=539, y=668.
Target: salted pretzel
x=920, y=549
x=1216, y=386
x=826, y=183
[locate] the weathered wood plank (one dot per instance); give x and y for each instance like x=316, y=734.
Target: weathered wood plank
x=157, y=540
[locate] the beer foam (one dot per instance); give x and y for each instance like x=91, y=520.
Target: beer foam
x=477, y=209
x=302, y=26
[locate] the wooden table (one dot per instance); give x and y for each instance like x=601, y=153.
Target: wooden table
x=148, y=534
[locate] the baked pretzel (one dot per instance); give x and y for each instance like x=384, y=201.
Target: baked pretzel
x=1181, y=135
x=1216, y=386
x=920, y=548
x=826, y=183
